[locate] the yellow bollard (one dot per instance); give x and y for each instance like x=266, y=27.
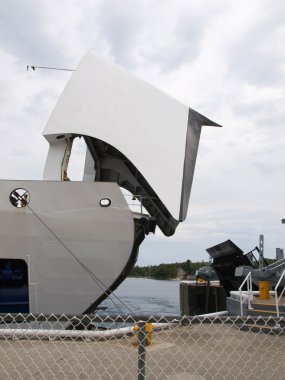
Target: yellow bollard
x=264, y=290
x=148, y=331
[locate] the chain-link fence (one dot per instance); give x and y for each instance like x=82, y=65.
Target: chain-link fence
x=93, y=347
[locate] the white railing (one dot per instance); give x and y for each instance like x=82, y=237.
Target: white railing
x=277, y=299
x=248, y=281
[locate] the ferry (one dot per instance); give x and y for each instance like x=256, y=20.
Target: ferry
x=67, y=245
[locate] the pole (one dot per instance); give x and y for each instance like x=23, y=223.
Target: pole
x=47, y=68
x=261, y=251
x=141, y=351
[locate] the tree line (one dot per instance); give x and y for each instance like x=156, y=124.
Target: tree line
x=168, y=271
x=184, y=270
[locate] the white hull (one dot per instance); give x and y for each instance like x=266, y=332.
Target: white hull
x=61, y=219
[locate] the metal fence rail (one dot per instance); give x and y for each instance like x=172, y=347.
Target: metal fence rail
x=127, y=347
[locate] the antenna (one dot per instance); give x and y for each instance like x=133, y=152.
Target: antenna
x=33, y=67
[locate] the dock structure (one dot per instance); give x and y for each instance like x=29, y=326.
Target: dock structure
x=202, y=298
x=196, y=351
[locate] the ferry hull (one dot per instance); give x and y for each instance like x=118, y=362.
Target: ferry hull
x=74, y=247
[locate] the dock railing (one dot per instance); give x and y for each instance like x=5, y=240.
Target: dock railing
x=248, y=292
x=277, y=299
x=140, y=347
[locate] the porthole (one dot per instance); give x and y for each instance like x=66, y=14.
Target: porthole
x=20, y=198
x=105, y=202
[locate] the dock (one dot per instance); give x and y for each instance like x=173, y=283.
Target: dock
x=196, y=299
x=194, y=352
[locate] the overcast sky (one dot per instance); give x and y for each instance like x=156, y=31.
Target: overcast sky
x=225, y=59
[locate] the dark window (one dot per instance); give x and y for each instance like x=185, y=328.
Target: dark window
x=14, y=293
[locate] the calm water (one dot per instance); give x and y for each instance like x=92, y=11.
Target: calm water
x=145, y=296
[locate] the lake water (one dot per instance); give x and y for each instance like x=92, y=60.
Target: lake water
x=145, y=296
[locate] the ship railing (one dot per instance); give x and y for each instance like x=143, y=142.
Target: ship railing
x=277, y=299
x=246, y=295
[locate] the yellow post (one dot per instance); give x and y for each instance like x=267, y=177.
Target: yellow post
x=264, y=290
x=148, y=332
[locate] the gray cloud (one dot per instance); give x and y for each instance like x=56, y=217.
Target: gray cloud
x=184, y=43
x=166, y=39
x=120, y=25
x=190, y=29
x=23, y=34
x=257, y=55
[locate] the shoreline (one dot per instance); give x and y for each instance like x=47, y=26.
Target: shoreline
x=190, y=278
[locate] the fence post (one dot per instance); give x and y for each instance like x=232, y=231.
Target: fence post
x=141, y=351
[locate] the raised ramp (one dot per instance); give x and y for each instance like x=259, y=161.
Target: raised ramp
x=226, y=258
